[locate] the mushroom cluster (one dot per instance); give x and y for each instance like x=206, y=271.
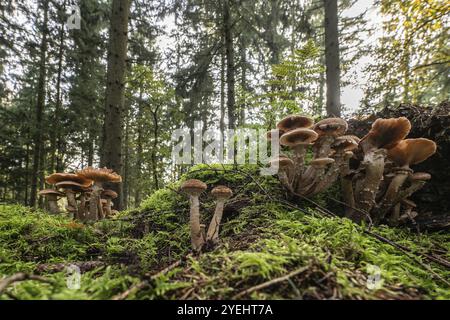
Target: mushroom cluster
x=193, y=188
x=374, y=172
x=86, y=198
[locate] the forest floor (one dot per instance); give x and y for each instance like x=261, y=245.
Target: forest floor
x=272, y=247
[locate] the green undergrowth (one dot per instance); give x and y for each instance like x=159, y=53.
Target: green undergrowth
x=264, y=235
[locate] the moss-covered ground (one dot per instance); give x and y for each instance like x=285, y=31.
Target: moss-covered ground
x=265, y=235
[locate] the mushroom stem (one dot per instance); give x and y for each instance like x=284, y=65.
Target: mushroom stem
x=101, y=214
x=388, y=200
x=71, y=201
x=194, y=222
x=107, y=210
x=299, y=160
x=82, y=207
x=52, y=201
x=213, y=229
x=374, y=165
x=322, y=147
x=94, y=201
x=284, y=179
x=395, y=216
x=406, y=193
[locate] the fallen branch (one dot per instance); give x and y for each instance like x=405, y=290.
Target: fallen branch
x=270, y=282
x=58, y=267
x=21, y=276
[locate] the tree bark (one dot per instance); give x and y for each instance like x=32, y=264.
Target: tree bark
x=230, y=74
x=37, y=135
x=115, y=87
x=332, y=62
x=55, y=133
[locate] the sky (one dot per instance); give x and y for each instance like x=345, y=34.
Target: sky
x=352, y=95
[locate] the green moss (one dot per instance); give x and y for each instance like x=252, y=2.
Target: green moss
x=263, y=237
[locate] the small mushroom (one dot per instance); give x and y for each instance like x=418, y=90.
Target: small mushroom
x=327, y=130
x=99, y=176
x=384, y=133
x=221, y=193
x=284, y=165
x=52, y=199
x=406, y=153
x=108, y=195
x=70, y=189
x=194, y=188
x=298, y=140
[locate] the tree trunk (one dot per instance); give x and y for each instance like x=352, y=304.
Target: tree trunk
x=243, y=55
x=37, y=135
x=332, y=59
x=155, y=148
x=55, y=133
x=115, y=87
x=222, y=91
x=139, y=151
x=230, y=75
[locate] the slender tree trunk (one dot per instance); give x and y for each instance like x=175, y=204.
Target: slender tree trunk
x=222, y=90
x=139, y=151
x=243, y=55
x=332, y=62
x=55, y=133
x=37, y=135
x=126, y=147
x=115, y=87
x=230, y=75
x=155, y=149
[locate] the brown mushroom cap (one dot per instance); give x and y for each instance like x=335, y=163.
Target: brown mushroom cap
x=345, y=143
x=272, y=132
x=58, y=177
x=321, y=162
x=295, y=121
x=193, y=186
x=70, y=185
x=104, y=201
x=423, y=176
x=300, y=136
x=222, y=192
x=412, y=151
x=111, y=194
x=282, y=161
x=386, y=133
x=331, y=126
x=48, y=192
x=100, y=174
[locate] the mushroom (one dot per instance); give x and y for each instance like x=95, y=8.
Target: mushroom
x=406, y=153
x=221, y=193
x=194, y=188
x=99, y=176
x=284, y=165
x=408, y=213
x=298, y=140
x=108, y=195
x=70, y=189
x=80, y=181
x=294, y=122
x=52, y=199
x=313, y=175
x=385, y=133
x=327, y=130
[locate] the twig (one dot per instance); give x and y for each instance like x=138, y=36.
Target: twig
x=145, y=283
x=21, y=276
x=270, y=282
